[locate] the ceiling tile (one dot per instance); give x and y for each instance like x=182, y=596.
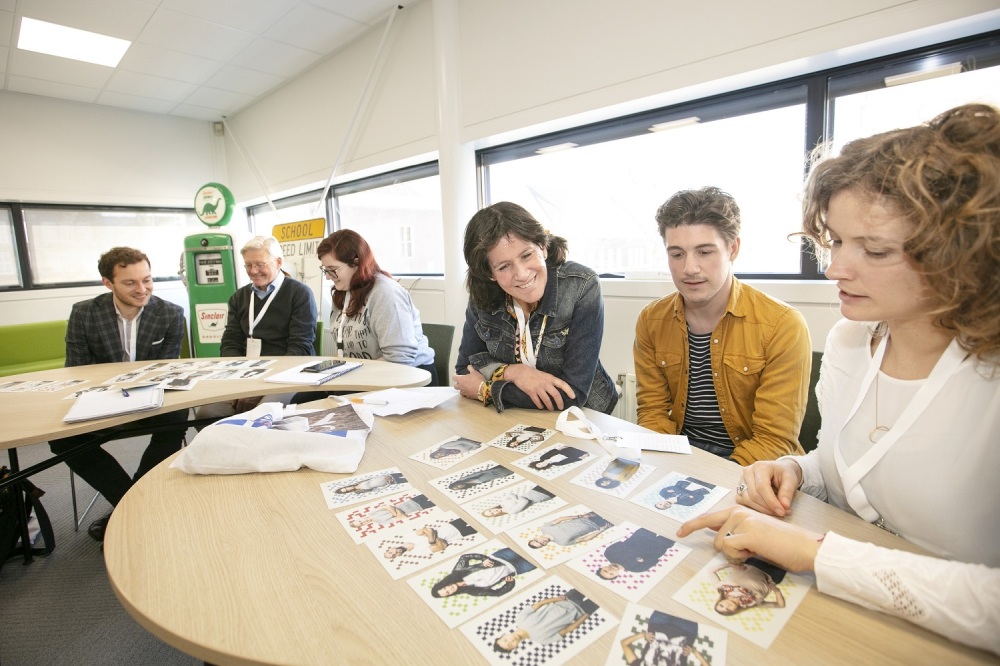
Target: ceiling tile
x=250, y=15
x=199, y=112
x=7, y=28
x=275, y=58
x=135, y=103
x=243, y=80
x=23, y=84
x=314, y=29
x=368, y=12
x=144, y=85
x=187, y=34
x=123, y=19
x=60, y=70
x=219, y=99
x=169, y=64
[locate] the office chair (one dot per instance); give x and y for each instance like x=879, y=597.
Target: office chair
x=811, y=421
x=440, y=338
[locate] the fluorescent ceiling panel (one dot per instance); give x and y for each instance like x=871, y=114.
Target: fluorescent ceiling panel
x=64, y=42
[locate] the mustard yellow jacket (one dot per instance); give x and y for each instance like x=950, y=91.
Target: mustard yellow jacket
x=761, y=357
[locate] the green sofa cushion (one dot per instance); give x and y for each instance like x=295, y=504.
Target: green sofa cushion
x=31, y=347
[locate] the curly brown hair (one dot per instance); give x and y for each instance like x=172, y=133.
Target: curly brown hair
x=944, y=178
x=121, y=257
x=485, y=230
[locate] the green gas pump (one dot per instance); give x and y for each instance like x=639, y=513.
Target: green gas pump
x=210, y=265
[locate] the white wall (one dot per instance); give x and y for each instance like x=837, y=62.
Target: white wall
x=57, y=151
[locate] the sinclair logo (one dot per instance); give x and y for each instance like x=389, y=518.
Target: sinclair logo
x=211, y=320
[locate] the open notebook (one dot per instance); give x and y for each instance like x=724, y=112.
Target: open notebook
x=102, y=404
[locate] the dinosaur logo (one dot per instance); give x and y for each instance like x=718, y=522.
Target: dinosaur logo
x=209, y=209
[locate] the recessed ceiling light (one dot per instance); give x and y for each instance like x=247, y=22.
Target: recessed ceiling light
x=58, y=40
x=674, y=124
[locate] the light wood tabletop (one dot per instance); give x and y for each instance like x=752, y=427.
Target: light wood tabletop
x=255, y=569
x=34, y=416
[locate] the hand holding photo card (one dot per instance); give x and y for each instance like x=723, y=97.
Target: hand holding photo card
x=363, y=521
x=364, y=487
x=549, y=624
x=561, y=536
x=447, y=453
x=680, y=497
x=512, y=506
x=647, y=636
x=554, y=461
x=462, y=587
x=477, y=480
x=633, y=564
x=523, y=438
x=411, y=547
x=614, y=476
x=753, y=599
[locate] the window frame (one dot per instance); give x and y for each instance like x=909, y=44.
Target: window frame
x=821, y=90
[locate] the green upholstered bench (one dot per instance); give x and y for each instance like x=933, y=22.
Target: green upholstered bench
x=31, y=347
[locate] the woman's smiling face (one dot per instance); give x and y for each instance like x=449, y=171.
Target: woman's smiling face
x=518, y=266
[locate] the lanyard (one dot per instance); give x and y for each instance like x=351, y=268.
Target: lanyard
x=253, y=299
x=582, y=428
x=340, y=321
x=949, y=363
x=529, y=355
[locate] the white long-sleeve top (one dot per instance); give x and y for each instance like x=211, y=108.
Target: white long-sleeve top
x=937, y=487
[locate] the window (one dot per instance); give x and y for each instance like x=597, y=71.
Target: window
x=381, y=208
x=298, y=208
x=10, y=272
x=58, y=246
x=599, y=186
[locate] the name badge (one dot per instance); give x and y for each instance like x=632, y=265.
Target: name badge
x=253, y=347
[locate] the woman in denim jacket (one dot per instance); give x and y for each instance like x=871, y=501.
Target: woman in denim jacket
x=535, y=321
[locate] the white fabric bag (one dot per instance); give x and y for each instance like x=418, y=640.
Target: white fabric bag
x=275, y=438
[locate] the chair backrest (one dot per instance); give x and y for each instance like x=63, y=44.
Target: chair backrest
x=318, y=340
x=185, y=343
x=440, y=338
x=810, y=423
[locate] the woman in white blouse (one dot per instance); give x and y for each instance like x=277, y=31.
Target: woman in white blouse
x=909, y=390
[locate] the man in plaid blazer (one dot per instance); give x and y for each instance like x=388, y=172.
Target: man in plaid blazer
x=127, y=324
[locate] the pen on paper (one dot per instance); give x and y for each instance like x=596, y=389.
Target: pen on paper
x=124, y=393
x=369, y=401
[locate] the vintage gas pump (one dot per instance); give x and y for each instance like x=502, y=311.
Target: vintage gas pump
x=210, y=265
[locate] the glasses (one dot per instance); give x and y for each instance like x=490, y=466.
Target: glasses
x=330, y=273
x=259, y=265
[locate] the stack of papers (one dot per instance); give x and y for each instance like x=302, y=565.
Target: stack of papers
x=297, y=376
x=390, y=402
x=114, y=402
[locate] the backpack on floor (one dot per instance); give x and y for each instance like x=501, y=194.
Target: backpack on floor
x=10, y=523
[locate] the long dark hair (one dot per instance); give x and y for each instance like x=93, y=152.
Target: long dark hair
x=349, y=247
x=485, y=230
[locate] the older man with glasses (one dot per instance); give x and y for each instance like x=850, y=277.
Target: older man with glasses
x=274, y=315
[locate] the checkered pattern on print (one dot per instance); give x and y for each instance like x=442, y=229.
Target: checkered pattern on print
x=553, y=471
x=501, y=441
x=752, y=620
x=410, y=557
x=529, y=653
x=478, y=489
x=373, y=527
x=595, y=559
x=639, y=622
x=547, y=553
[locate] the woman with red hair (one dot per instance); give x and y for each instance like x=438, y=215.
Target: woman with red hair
x=372, y=317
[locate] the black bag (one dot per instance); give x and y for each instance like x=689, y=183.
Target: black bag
x=10, y=523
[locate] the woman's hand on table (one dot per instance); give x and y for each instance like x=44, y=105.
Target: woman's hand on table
x=468, y=385
x=769, y=486
x=742, y=533
x=543, y=388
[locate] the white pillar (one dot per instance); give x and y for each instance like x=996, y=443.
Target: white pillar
x=456, y=161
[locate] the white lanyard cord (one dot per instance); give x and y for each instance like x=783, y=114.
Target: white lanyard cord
x=530, y=356
x=949, y=363
x=253, y=298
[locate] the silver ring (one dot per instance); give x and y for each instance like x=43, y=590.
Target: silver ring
x=740, y=489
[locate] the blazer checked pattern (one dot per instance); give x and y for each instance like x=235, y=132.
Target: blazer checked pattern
x=93, y=334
